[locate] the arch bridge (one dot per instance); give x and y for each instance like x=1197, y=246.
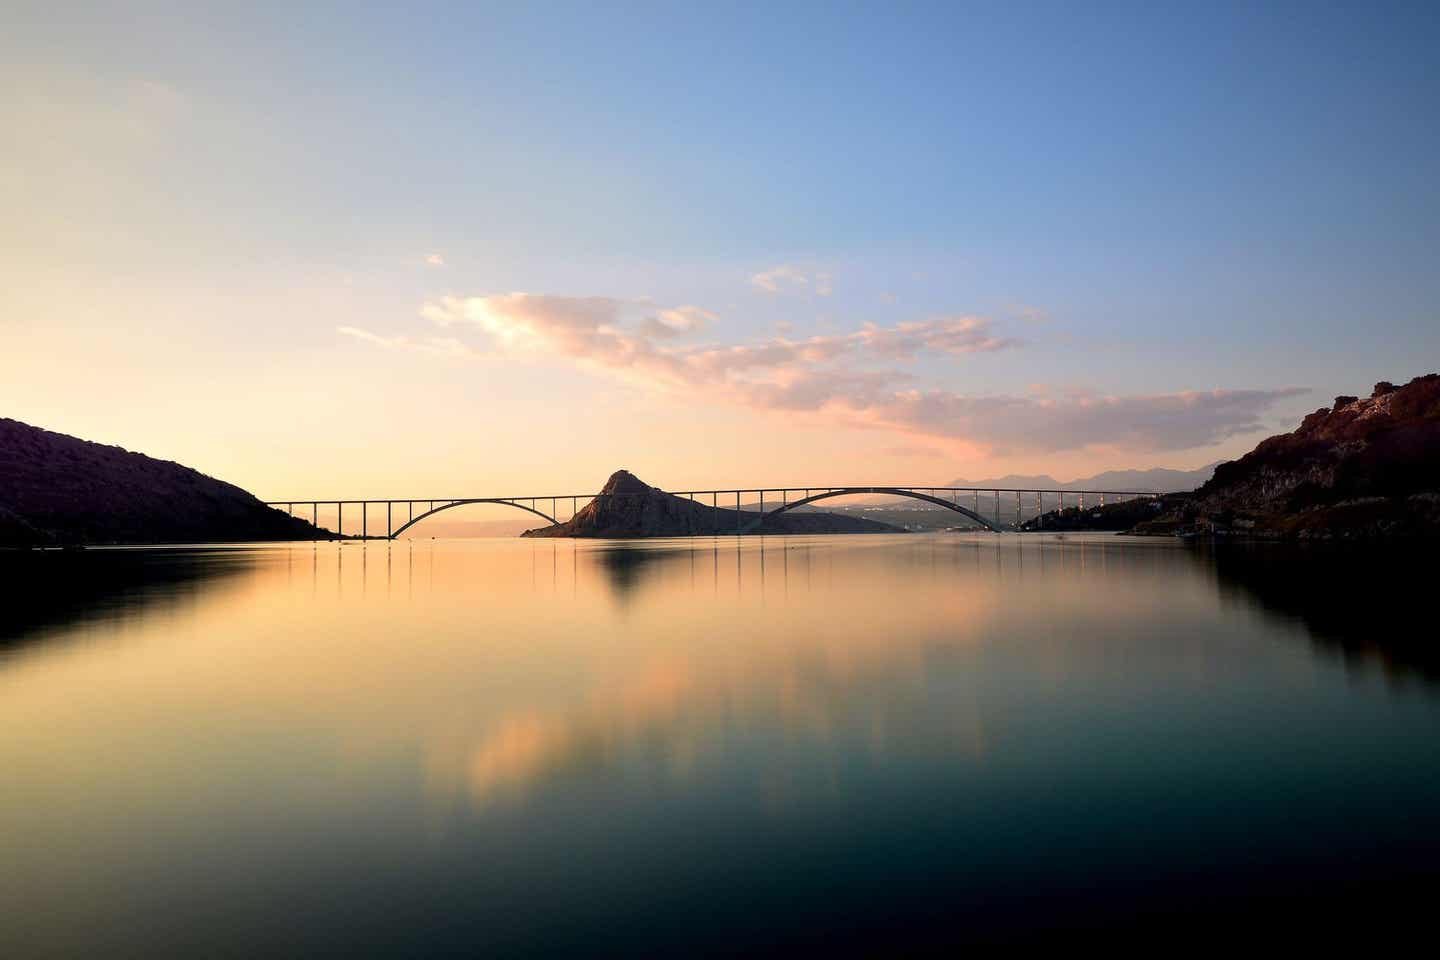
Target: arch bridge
x=401, y=512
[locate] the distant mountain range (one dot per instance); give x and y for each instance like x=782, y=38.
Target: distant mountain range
x=56, y=489
x=1158, y=480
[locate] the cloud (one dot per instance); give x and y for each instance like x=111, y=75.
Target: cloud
x=1028, y=313
x=949, y=335
x=844, y=378
x=787, y=278
x=676, y=322
x=1039, y=424
x=440, y=345
x=779, y=278
x=596, y=329
x=375, y=338
x=915, y=450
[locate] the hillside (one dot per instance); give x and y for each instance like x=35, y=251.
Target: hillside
x=56, y=489
x=629, y=507
x=1113, y=516
x=1362, y=467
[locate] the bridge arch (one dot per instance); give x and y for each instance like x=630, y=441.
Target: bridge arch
x=462, y=503
x=889, y=491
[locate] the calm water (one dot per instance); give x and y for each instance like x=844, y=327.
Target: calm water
x=862, y=743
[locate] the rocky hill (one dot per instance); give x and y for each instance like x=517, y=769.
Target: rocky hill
x=1362, y=467
x=1112, y=516
x=56, y=489
x=629, y=507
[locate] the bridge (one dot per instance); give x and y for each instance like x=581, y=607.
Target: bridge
x=401, y=512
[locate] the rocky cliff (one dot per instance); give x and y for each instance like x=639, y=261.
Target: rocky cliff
x=629, y=507
x=56, y=489
x=1362, y=467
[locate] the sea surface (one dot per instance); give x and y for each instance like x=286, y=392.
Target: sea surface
x=873, y=744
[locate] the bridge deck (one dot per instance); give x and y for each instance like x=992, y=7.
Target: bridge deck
x=936, y=496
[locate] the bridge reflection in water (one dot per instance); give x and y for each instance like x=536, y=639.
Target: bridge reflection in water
x=747, y=516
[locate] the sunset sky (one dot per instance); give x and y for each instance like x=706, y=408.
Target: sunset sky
x=457, y=251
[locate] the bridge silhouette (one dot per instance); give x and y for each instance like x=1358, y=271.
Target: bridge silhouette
x=949, y=498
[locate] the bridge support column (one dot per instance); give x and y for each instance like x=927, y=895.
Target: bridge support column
x=737, y=511
x=314, y=521
x=389, y=523
x=364, y=519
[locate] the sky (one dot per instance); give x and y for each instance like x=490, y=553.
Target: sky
x=432, y=250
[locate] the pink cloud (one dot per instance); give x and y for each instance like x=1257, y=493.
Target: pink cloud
x=1139, y=422
x=819, y=377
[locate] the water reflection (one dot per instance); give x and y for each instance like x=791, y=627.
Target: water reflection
x=48, y=592
x=1368, y=605
x=711, y=744
x=626, y=565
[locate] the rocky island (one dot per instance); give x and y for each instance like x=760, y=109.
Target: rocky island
x=627, y=507
x=1360, y=468
x=59, y=490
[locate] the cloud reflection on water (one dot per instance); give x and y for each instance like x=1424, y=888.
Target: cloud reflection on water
x=479, y=717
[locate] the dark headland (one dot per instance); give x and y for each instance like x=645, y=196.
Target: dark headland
x=629, y=507
x=59, y=490
x=1361, y=468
